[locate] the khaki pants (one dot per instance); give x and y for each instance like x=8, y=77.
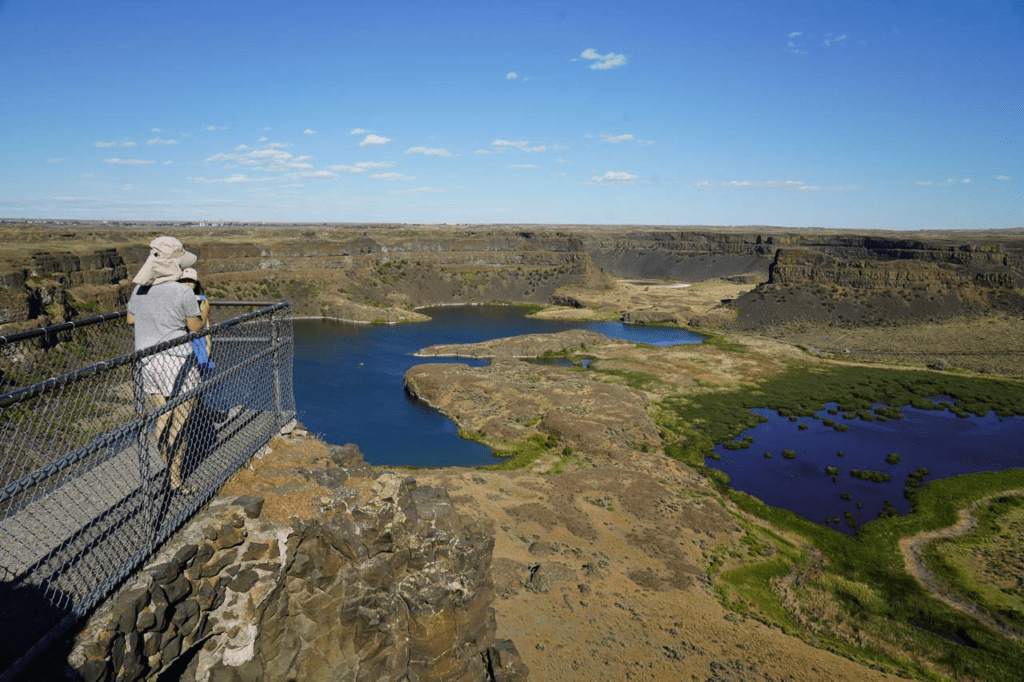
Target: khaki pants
x=170, y=433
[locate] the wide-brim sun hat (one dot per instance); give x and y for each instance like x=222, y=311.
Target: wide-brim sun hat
x=166, y=262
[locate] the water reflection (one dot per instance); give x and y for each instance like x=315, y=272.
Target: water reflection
x=349, y=378
x=941, y=442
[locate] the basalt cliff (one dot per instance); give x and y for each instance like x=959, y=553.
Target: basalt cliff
x=381, y=273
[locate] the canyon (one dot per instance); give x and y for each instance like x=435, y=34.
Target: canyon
x=599, y=556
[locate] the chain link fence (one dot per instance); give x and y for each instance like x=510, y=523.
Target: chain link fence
x=95, y=473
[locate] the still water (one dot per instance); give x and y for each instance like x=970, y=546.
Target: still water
x=938, y=440
x=349, y=378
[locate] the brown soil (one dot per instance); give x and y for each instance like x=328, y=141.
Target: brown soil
x=599, y=575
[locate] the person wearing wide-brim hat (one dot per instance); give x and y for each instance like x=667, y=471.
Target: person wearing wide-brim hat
x=162, y=309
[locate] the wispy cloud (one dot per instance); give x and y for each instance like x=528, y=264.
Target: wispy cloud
x=1003, y=177
x=522, y=145
x=615, y=139
x=794, y=34
x=128, y=144
x=429, y=152
x=392, y=176
x=279, y=145
x=612, y=177
x=374, y=140
x=273, y=160
x=511, y=76
x=213, y=128
x=156, y=131
x=783, y=184
x=104, y=145
x=418, y=190
x=129, y=162
x=55, y=159
x=236, y=179
x=160, y=141
x=358, y=131
x=523, y=165
x=360, y=167
x=603, y=61
x=945, y=183
x=320, y=174
x=829, y=40
x=309, y=131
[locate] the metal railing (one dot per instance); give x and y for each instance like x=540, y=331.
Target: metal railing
x=95, y=475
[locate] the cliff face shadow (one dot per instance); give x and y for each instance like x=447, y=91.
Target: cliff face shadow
x=28, y=618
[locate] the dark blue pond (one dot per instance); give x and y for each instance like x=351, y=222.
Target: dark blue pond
x=349, y=378
x=940, y=441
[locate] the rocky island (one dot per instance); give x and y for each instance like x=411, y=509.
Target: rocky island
x=602, y=548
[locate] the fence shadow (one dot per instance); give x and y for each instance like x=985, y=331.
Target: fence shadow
x=32, y=625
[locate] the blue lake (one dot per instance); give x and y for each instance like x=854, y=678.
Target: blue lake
x=940, y=441
x=349, y=378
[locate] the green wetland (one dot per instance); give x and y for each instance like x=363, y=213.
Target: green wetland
x=838, y=578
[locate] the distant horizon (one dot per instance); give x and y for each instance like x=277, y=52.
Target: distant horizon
x=848, y=116
x=343, y=223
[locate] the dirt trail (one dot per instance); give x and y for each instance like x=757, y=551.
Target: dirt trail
x=912, y=548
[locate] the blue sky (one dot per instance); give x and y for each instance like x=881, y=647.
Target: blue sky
x=889, y=115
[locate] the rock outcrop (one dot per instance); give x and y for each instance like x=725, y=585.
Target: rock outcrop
x=371, y=577
x=380, y=273
x=874, y=281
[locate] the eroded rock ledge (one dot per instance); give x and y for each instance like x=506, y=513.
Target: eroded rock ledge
x=328, y=571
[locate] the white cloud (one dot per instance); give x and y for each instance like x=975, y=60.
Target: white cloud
x=561, y=161
x=484, y=151
x=236, y=179
x=374, y=140
x=103, y=145
x=262, y=138
x=418, y=190
x=168, y=162
x=314, y=174
x=279, y=145
x=240, y=148
x=615, y=139
x=924, y=182
x=520, y=145
x=223, y=157
x=156, y=130
x=361, y=167
x=128, y=144
x=128, y=162
x=392, y=176
x=309, y=131
x=358, y=131
x=428, y=152
x=523, y=165
x=56, y=159
x=212, y=128
x=783, y=184
x=1003, y=177
x=967, y=181
x=604, y=61
x=829, y=40
x=160, y=141
x=794, y=34
x=511, y=76
x=612, y=177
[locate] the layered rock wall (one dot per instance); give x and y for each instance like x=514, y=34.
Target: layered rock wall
x=380, y=273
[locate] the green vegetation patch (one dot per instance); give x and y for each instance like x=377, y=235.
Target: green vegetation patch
x=986, y=566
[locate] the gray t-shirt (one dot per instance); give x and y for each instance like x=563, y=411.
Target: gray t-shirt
x=160, y=312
